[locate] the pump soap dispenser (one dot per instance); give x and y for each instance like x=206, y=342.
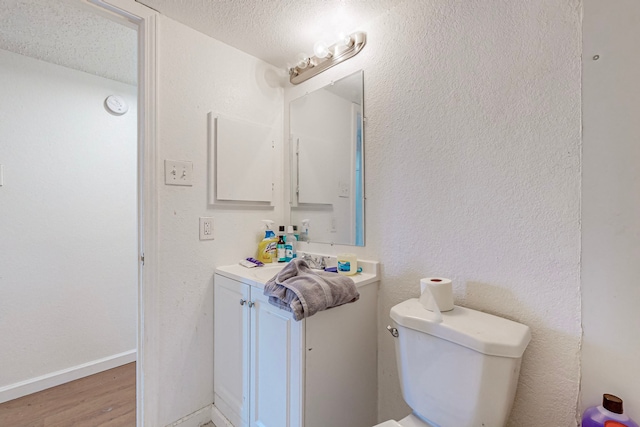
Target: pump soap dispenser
x=304, y=235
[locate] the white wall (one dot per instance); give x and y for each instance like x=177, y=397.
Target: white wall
x=196, y=75
x=472, y=171
x=68, y=220
x=611, y=204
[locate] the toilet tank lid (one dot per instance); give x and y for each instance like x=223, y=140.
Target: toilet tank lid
x=482, y=332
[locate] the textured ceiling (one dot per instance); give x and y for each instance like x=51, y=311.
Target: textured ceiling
x=276, y=31
x=57, y=32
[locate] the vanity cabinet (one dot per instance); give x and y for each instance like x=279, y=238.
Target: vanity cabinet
x=273, y=371
x=256, y=358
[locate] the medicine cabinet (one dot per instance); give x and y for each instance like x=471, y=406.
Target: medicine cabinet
x=327, y=161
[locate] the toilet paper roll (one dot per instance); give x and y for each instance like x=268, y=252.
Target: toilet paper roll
x=436, y=294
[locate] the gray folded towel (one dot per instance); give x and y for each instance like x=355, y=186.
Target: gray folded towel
x=303, y=291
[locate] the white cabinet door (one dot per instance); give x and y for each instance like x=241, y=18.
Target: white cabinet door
x=231, y=349
x=276, y=378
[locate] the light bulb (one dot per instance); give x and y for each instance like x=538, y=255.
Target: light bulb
x=321, y=50
x=347, y=41
x=302, y=61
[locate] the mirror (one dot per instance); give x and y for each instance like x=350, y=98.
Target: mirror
x=327, y=163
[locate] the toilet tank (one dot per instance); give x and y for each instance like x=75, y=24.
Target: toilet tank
x=461, y=372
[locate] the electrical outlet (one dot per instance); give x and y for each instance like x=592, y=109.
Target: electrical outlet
x=178, y=172
x=206, y=228
x=333, y=229
x=343, y=189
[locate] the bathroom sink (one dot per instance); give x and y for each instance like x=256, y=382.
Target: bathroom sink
x=260, y=275
x=263, y=274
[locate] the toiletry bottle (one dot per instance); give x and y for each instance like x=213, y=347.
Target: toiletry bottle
x=609, y=414
x=280, y=245
x=295, y=233
x=290, y=244
x=267, y=246
x=304, y=234
x=347, y=264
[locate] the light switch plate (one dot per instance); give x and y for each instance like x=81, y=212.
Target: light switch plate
x=178, y=172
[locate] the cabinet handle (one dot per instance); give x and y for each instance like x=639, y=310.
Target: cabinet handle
x=242, y=301
x=251, y=304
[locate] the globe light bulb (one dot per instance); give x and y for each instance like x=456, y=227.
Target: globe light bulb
x=347, y=41
x=302, y=61
x=321, y=50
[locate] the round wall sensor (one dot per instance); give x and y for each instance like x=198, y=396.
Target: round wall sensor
x=116, y=104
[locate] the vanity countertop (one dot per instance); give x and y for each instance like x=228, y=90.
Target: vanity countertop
x=258, y=276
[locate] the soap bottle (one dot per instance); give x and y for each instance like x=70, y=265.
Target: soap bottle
x=295, y=233
x=267, y=246
x=609, y=414
x=281, y=254
x=290, y=244
x=304, y=233
x=347, y=264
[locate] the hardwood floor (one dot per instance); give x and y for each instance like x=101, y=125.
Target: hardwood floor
x=106, y=399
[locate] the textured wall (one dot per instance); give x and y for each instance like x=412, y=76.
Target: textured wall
x=472, y=148
x=611, y=204
x=68, y=216
x=196, y=75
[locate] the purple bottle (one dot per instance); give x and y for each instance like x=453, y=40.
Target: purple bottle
x=609, y=414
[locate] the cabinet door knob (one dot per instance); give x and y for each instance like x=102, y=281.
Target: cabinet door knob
x=242, y=301
x=251, y=304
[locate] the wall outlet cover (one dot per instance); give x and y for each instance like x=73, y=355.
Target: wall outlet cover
x=206, y=228
x=343, y=189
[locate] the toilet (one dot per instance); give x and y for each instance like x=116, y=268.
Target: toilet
x=461, y=371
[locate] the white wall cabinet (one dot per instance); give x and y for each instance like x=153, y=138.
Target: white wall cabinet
x=239, y=151
x=272, y=371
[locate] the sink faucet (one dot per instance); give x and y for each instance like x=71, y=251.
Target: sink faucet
x=318, y=263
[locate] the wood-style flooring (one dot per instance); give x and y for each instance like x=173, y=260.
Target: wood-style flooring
x=106, y=399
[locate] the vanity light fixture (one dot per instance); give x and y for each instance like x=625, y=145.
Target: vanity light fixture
x=326, y=57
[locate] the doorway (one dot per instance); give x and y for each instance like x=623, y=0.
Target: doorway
x=69, y=196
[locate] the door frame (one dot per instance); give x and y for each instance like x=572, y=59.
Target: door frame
x=144, y=19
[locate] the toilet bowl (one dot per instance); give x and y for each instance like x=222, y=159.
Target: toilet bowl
x=458, y=371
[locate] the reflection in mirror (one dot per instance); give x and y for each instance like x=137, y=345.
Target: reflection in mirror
x=327, y=163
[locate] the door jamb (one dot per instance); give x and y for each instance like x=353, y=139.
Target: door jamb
x=136, y=15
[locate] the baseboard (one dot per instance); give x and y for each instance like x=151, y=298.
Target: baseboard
x=197, y=419
x=218, y=419
x=33, y=385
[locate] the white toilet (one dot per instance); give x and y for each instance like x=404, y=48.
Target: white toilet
x=461, y=372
